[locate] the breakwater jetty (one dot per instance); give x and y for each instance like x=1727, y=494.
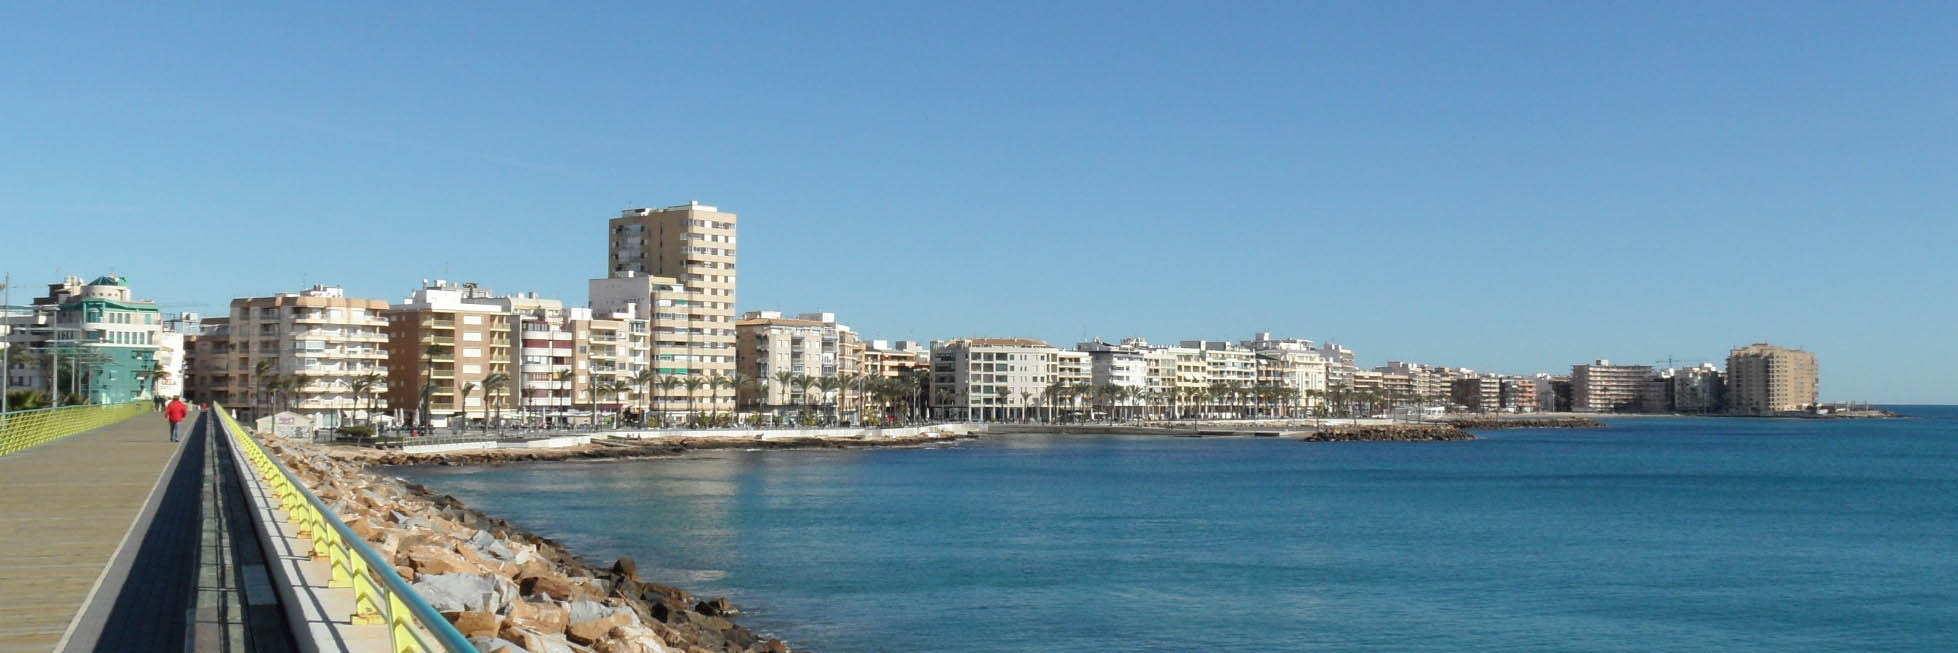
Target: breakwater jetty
x=1389, y=433
x=1293, y=430
x=1487, y=423
x=618, y=446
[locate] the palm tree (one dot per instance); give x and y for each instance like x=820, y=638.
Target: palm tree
x=462, y=406
x=260, y=370
x=846, y=382
x=1026, y=400
x=716, y=384
x=494, y=386
x=361, y=387
x=693, y=384
x=807, y=383
x=830, y=384
x=429, y=352
x=785, y=380
x=613, y=389
x=667, y=384
x=561, y=376
x=943, y=396
x=644, y=380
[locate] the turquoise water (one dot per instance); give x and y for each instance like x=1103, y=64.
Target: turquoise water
x=1700, y=534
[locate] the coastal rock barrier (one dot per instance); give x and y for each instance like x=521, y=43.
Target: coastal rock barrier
x=642, y=448
x=1389, y=433
x=507, y=589
x=1491, y=423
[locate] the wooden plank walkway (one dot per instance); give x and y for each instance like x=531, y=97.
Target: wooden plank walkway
x=65, y=507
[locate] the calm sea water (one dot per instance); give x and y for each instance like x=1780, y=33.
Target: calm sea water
x=1682, y=534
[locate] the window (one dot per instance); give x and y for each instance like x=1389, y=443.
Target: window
x=472, y=369
x=472, y=336
x=472, y=319
x=472, y=352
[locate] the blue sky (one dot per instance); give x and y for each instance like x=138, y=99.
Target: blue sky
x=1505, y=186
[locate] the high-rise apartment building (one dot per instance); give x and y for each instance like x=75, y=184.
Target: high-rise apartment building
x=443, y=342
x=684, y=255
x=305, y=352
x=1763, y=379
x=1601, y=387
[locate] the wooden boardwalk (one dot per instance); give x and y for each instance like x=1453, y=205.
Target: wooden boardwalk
x=65, y=508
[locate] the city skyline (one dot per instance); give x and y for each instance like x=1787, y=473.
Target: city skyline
x=1674, y=190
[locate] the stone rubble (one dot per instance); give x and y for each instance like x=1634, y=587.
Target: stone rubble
x=510, y=590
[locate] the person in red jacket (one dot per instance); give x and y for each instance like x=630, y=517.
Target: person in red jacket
x=175, y=413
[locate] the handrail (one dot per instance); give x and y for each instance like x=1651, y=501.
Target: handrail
x=380, y=595
x=23, y=429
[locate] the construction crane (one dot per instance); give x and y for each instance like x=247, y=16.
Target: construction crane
x=1672, y=363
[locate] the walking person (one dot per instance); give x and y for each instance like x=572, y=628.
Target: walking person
x=175, y=413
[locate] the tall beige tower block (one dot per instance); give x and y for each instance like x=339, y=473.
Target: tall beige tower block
x=693, y=245
x=1763, y=379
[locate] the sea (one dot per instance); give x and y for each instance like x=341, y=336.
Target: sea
x=1652, y=534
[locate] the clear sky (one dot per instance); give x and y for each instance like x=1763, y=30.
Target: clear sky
x=1504, y=186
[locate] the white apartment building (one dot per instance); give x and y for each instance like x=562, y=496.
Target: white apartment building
x=778, y=350
x=1340, y=365
x=1125, y=365
x=1292, y=363
x=982, y=378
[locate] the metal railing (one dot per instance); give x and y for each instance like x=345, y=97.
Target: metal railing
x=27, y=428
x=380, y=595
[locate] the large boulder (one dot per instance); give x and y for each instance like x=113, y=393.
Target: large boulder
x=465, y=592
x=540, y=617
x=473, y=624
x=592, y=631
x=429, y=559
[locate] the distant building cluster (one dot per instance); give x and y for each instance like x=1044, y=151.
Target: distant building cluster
x=660, y=339
x=1760, y=379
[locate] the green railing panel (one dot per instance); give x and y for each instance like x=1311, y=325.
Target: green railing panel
x=30, y=428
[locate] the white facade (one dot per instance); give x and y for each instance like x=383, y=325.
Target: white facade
x=986, y=378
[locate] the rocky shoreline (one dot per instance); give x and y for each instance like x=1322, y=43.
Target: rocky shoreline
x=648, y=448
x=507, y=589
x=1492, y=423
x=1389, y=433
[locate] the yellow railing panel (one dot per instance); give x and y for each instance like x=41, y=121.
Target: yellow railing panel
x=374, y=602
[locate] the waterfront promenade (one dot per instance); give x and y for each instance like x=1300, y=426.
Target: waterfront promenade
x=65, y=511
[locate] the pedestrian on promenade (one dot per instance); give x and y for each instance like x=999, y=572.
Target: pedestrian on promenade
x=175, y=413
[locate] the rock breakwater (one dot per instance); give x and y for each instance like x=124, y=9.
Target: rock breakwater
x=1491, y=423
x=647, y=448
x=1389, y=433
x=511, y=590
